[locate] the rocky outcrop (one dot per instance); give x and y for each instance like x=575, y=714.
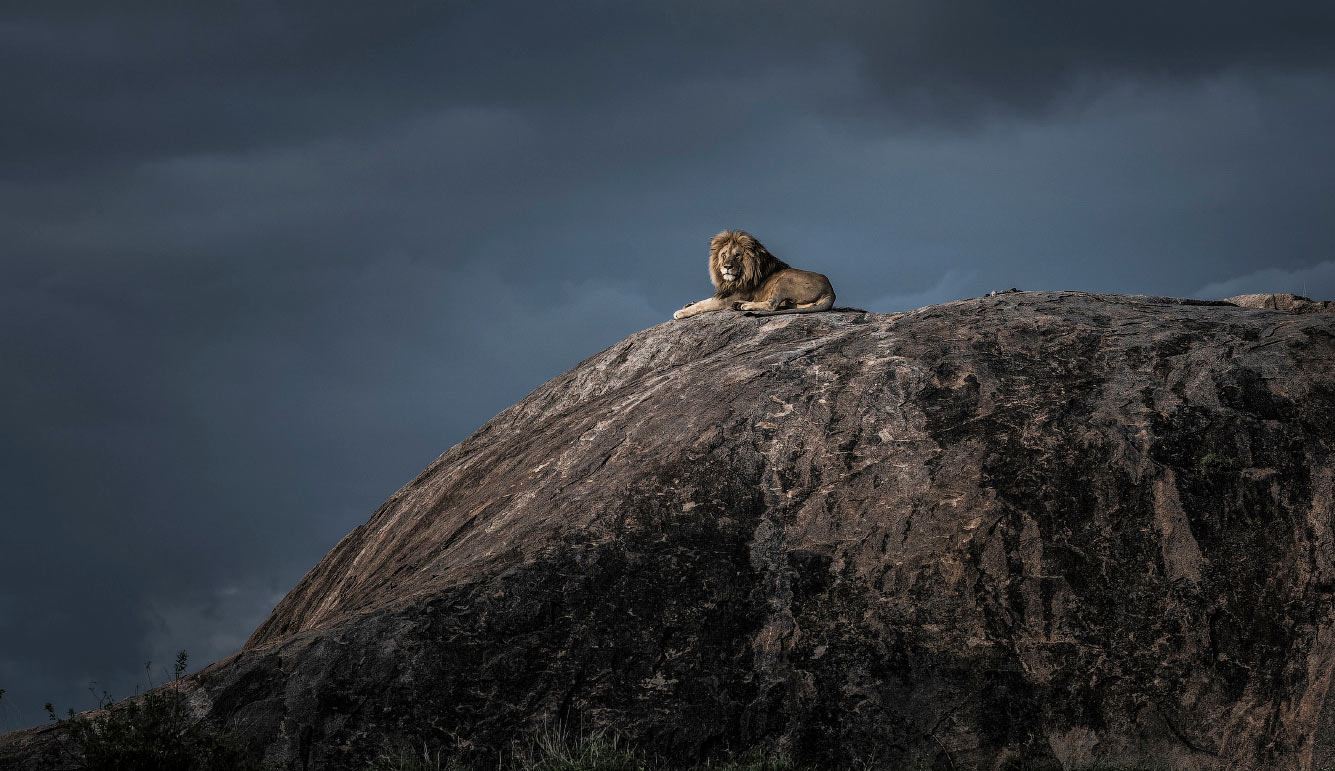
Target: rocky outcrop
x=1055, y=527
x=1290, y=303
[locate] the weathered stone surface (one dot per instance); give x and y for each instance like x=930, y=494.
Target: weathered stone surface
x=1057, y=527
x=1290, y=303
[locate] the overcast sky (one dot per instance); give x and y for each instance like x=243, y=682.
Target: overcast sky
x=261, y=262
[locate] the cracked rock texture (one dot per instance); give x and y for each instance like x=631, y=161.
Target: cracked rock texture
x=1054, y=528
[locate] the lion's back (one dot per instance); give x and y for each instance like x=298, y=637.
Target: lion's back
x=801, y=285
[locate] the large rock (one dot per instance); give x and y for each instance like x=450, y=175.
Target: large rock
x=1283, y=302
x=1055, y=527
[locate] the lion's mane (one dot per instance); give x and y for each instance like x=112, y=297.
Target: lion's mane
x=757, y=262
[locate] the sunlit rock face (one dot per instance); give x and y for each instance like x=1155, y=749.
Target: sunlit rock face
x=1056, y=527
x=1291, y=303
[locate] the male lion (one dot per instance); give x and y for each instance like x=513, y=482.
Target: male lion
x=749, y=278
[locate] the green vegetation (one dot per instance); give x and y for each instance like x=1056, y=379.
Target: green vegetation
x=153, y=732
x=556, y=750
x=157, y=732
x=1017, y=766
x=754, y=760
x=414, y=760
x=1214, y=466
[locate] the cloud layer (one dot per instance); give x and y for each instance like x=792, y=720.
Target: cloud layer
x=1315, y=282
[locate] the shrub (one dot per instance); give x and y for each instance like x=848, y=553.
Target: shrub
x=152, y=732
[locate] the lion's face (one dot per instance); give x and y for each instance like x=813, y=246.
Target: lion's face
x=730, y=260
x=738, y=262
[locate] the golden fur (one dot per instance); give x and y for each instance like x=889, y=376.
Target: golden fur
x=747, y=277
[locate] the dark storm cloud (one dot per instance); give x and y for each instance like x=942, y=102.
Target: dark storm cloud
x=260, y=264
x=103, y=85
x=117, y=86
x=962, y=60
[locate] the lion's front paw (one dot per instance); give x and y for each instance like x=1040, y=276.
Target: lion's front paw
x=737, y=305
x=681, y=314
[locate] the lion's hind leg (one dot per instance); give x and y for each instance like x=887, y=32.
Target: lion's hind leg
x=758, y=306
x=824, y=303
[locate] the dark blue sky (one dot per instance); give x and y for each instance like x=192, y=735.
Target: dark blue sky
x=261, y=263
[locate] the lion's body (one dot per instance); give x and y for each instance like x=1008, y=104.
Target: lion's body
x=747, y=277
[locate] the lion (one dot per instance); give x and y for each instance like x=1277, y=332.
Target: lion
x=748, y=278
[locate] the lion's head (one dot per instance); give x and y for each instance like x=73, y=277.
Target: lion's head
x=738, y=262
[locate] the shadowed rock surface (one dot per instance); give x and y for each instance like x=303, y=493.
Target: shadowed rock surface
x=1054, y=527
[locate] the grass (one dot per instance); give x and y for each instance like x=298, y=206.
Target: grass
x=554, y=750
x=153, y=732
x=415, y=760
x=557, y=750
x=1213, y=466
x=156, y=731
